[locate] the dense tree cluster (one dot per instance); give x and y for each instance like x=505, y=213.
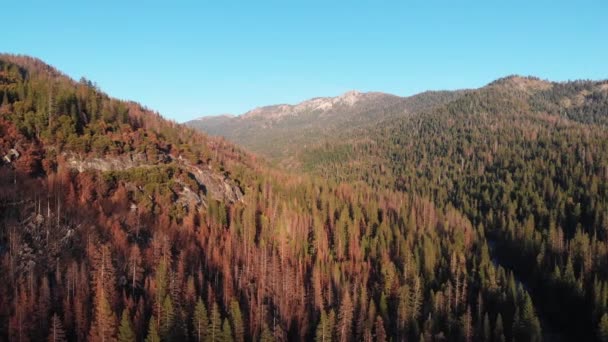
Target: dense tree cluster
x=110, y=255
x=524, y=158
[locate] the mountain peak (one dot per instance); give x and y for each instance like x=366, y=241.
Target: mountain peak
x=317, y=104
x=526, y=83
x=222, y=115
x=350, y=97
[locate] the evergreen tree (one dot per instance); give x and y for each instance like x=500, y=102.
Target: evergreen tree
x=226, y=332
x=167, y=320
x=323, y=332
x=236, y=319
x=380, y=332
x=345, y=318
x=266, y=334
x=527, y=326
x=214, y=329
x=467, y=325
x=103, y=327
x=487, y=335
x=200, y=321
x=56, y=332
x=125, y=330
x=152, y=335
x=602, y=329
x=499, y=334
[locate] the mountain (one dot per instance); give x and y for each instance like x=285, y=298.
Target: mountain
x=278, y=131
x=443, y=216
x=118, y=224
x=524, y=159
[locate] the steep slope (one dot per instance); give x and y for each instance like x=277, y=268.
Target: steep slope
x=279, y=132
x=115, y=223
x=524, y=158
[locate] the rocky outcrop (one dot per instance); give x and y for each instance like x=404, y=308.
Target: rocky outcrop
x=318, y=104
x=216, y=185
x=113, y=163
x=211, y=184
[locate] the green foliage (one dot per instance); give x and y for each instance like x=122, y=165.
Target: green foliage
x=125, y=330
x=236, y=321
x=200, y=321
x=423, y=226
x=323, y=332
x=167, y=325
x=214, y=329
x=152, y=335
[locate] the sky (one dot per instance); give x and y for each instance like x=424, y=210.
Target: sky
x=189, y=59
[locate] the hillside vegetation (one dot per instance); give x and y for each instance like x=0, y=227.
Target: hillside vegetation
x=116, y=224
x=524, y=160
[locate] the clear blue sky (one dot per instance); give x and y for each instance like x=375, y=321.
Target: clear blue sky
x=208, y=57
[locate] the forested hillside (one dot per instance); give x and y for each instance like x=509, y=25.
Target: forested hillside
x=279, y=132
x=116, y=224
x=523, y=158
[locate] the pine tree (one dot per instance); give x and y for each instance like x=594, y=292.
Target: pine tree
x=236, y=319
x=152, y=335
x=402, y=311
x=266, y=334
x=380, y=332
x=345, y=318
x=602, y=329
x=331, y=323
x=499, y=333
x=44, y=305
x=383, y=306
x=528, y=325
x=168, y=318
x=467, y=325
x=323, y=333
x=103, y=327
x=486, y=328
x=226, y=332
x=214, y=330
x=125, y=330
x=161, y=289
x=56, y=332
x=200, y=321
x=415, y=299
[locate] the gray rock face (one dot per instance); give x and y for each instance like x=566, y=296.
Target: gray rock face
x=114, y=163
x=212, y=184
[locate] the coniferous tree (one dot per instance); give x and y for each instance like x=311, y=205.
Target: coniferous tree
x=499, y=334
x=56, y=331
x=380, y=332
x=125, y=330
x=602, y=330
x=266, y=335
x=214, y=329
x=323, y=332
x=152, y=335
x=527, y=325
x=226, y=335
x=486, y=335
x=168, y=318
x=103, y=327
x=200, y=321
x=345, y=318
x=236, y=319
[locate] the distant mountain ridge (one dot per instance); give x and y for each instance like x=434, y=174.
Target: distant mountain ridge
x=317, y=104
x=276, y=129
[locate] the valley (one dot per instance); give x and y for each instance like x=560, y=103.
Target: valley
x=457, y=215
